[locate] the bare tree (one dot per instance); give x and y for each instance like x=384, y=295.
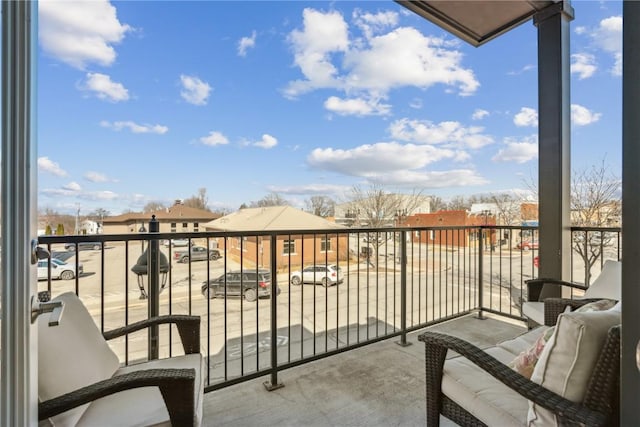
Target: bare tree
x=153, y=207
x=271, y=199
x=323, y=206
x=437, y=204
x=199, y=201
x=508, y=206
x=458, y=203
x=595, y=202
x=374, y=207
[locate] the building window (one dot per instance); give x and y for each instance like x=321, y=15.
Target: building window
x=325, y=244
x=173, y=227
x=185, y=226
x=289, y=247
x=195, y=226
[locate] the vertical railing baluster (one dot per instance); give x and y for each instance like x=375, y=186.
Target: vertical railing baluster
x=480, y=273
x=154, y=287
x=274, y=384
x=403, y=289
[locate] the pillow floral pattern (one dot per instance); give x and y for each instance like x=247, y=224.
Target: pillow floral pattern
x=526, y=361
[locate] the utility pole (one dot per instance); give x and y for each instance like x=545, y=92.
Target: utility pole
x=77, y=230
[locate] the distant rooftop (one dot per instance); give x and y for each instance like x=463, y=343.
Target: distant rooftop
x=270, y=218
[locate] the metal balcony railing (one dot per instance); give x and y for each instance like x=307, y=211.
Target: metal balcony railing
x=257, y=320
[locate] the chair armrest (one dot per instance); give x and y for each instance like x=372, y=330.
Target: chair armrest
x=188, y=328
x=176, y=386
x=436, y=343
x=534, y=286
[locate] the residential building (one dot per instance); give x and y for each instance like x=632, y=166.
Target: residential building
x=175, y=219
x=290, y=249
x=88, y=226
x=458, y=237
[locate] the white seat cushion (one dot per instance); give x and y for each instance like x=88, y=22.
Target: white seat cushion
x=144, y=406
x=482, y=395
x=72, y=355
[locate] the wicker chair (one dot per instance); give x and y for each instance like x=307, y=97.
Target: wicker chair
x=540, y=310
x=599, y=408
x=81, y=381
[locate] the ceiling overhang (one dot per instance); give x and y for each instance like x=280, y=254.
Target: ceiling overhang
x=479, y=21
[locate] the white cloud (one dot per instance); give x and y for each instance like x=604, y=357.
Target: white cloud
x=450, y=133
x=518, y=151
x=416, y=103
x=526, y=117
x=433, y=179
x=373, y=23
x=97, y=177
x=317, y=189
x=246, y=43
x=371, y=67
x=266, y=142
x=479, y=114
x=356, y=106
x=102, y=86
x=72, y=186
x=47, y=165
x=583, y=64
x=214, y=138
x=80, y=32
x=134, y=127
x=607, y=36
x=582, y=116
x=194, y=90
x=98, y=195
x=383, y=157
x=524, y=69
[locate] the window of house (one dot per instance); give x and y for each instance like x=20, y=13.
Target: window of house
x=325, y=244
x=173, y=227
x=195, y=226
x=289, y=247
x=185, y=226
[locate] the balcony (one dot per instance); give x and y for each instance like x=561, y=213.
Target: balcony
x=407, y=280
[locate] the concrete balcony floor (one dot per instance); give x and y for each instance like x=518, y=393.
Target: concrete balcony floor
x=381, y=384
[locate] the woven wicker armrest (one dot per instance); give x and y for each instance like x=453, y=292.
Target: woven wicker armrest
x=436, y=346
x=534, y=286
x=176, y=386
x=188, y=328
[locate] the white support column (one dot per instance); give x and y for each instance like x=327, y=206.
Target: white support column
x=554, y=140
x=630, y=375
x=19, y=373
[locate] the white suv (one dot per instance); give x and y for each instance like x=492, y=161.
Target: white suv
x=326, y=275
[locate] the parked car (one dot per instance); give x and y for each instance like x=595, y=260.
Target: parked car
x=251, y=284
x=176, y=243
x=326, y=275
x=59, y=269
x=196, y=253
x=83, y=246
x=525, y=245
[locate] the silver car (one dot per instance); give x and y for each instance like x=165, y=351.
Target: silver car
x=325, y=275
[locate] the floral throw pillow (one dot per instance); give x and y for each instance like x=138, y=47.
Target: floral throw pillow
x=526, y=361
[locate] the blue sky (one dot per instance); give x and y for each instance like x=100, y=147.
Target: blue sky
x=143, y=101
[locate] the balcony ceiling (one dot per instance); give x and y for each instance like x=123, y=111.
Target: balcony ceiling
x=476, y=22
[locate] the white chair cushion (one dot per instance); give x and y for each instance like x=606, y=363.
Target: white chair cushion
x=144, y=406
x=534, y=310
x=567, y=361
x=482, y=395
x=608, y=284
x=71, y=355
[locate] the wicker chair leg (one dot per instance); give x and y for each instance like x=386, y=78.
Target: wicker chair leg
x=434, y=361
